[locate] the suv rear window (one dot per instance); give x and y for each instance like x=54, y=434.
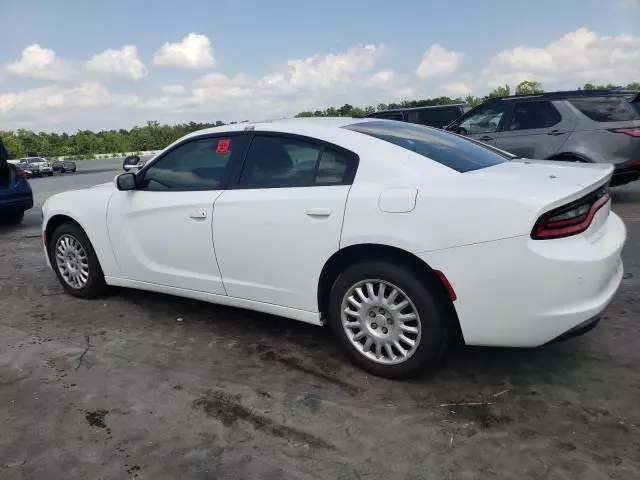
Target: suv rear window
x=453, y=151
x=605, y=109
x=434, y=117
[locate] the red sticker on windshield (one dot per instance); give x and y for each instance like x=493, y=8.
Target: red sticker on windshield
x=223, y=146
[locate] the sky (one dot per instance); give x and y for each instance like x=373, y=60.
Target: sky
x=82, y=65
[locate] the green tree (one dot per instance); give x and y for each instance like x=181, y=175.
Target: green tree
x=472, y=100
x=529, y=87
x=500, y=92
x=12, y=144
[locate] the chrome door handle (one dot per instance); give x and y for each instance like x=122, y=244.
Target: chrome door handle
x=556, y=132
x=198, y=215
x=318, y=212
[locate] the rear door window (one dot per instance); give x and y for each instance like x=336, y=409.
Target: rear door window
x=453, y=151
x=279, y=162
x=532, y=115
x=605, y=109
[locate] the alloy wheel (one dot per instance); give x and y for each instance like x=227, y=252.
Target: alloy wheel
x=72, y=261
x=381, y=321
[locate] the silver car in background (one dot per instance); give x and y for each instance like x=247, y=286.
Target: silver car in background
x=38, y=166
x=590, y=126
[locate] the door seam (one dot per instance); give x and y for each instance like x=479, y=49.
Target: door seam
x=213, y=241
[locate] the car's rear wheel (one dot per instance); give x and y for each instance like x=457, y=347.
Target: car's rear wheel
x=391, y=322
x=75, y=262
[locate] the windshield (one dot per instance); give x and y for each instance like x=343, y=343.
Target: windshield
x=448, y=149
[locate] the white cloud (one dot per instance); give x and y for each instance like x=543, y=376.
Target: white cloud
x=456, y=89
x=40, y=62
x=355, y=75
x=173, y=89
x=84, y=95
x=324, y=70
x=194, y=51
x=439, y=61
x=121, y=63
x=578, y=57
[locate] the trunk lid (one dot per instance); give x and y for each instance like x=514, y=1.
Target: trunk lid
x=545, y=183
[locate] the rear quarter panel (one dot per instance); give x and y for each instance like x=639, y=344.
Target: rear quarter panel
x=595, y=142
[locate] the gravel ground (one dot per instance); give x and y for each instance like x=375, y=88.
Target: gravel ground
x=140, y=385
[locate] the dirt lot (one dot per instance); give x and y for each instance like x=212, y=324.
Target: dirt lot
x=139, y=385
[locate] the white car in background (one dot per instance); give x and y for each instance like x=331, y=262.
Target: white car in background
x=397, y=235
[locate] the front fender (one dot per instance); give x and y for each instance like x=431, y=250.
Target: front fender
x=88, y=208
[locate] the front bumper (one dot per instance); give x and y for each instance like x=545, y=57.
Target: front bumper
x=520, y=292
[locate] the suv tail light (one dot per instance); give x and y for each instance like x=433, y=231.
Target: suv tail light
x=20, y=173
x=571, y=219
x=634, y=132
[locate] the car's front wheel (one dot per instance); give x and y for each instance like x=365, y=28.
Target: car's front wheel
x=75, y=262
x=390, y=320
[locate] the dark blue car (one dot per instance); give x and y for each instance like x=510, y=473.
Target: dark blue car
x=15, y=192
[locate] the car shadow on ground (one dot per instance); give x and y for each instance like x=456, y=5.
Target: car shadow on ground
x=314, y=350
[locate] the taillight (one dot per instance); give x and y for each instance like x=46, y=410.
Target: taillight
x=634, y=132
x=571, y=219
x=21, y=173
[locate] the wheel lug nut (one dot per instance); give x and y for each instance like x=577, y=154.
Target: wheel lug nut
x=381, y=311
x=374, y=325
x=372, y=314
x=384, y=330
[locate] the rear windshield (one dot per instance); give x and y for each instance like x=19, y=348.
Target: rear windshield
x=606, y=109
x=445, y=148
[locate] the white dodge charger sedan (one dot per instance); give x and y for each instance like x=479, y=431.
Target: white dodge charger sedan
x=397, y=235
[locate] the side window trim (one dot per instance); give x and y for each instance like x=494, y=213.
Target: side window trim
x=234, y=159
x=354, y=160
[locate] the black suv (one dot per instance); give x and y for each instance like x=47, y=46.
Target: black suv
x=438, y=116
x=593, y=126
x=63, y=166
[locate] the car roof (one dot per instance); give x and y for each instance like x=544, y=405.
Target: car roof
x=427, y=107
x=566, y=94
x=285, y=124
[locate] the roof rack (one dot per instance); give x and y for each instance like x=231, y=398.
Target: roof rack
x=568, y=93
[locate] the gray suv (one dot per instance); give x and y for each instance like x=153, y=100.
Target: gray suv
x=601, y=126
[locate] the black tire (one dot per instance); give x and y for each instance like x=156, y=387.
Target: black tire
x=13, y=218
x=95, y=284
x=431, y=308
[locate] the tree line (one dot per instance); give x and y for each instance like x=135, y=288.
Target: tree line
x=154, y=136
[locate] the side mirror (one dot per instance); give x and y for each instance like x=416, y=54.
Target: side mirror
x=454, y=127
x=131, y=162
x=126, y=181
